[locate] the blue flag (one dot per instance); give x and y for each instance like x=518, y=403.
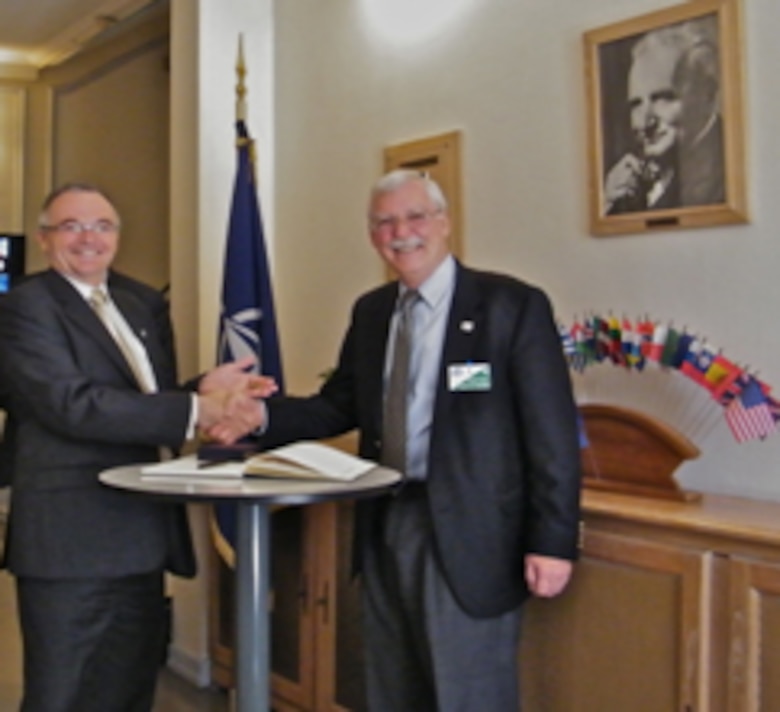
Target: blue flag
x=247, y=319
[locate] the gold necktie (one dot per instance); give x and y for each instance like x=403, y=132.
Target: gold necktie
x=98, y=299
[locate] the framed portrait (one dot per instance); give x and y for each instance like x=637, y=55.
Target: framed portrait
x=665, y=120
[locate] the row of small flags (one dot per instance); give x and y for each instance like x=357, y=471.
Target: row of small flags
x=750, y=411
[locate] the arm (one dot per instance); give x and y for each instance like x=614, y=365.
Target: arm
x=548, y=420
x=61, y=376
x=329, y=412
x=623, y=186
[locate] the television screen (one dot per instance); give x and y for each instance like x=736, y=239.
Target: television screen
x=11, y=260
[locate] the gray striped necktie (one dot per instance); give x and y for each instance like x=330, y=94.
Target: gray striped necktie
x=395, y=410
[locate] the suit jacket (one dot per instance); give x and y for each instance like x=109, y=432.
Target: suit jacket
x=503, y=470
x=77, y=410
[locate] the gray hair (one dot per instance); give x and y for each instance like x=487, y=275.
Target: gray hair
x=695, y=44
x=70, y=188
x=392, y=181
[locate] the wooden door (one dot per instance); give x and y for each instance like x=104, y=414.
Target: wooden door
x=630, y=632
x=753, y=632
x=338, y=631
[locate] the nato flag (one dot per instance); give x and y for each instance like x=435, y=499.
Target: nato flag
x=247, y=320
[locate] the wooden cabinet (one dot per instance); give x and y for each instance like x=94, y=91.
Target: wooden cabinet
x=629, y=634
x=674, y=607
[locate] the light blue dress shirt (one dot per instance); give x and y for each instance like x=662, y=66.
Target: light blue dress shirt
x=430, y=315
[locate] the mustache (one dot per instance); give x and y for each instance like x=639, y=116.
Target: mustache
x=406, y=244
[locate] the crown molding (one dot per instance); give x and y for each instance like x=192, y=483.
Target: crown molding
x=74, y=38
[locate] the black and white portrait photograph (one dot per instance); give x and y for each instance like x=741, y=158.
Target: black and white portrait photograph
x=661, y=108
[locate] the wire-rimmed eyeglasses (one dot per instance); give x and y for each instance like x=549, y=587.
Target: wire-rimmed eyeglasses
x=74, y=227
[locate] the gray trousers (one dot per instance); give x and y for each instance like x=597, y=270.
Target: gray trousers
x=423, y=652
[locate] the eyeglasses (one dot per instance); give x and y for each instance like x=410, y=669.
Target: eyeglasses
x=74, y=227
x=414, y=219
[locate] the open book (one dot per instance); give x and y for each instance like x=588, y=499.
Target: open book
x=307, y=460
x=192, y=466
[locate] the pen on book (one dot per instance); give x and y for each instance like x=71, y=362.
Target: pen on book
x=205, y=464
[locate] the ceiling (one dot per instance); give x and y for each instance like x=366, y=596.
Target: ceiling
x=55, y=29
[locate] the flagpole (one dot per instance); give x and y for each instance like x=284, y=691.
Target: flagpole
x=241, y=106
x=240, y=85
x=253, y=573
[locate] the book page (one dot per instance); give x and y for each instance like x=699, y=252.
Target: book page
x=308, y=459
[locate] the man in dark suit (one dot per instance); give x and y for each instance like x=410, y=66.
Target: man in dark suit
x=489, y=508
x=84, y=395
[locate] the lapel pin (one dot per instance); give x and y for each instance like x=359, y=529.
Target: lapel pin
x=467, y=326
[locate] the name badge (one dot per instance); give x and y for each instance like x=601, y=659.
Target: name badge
x=463, y=377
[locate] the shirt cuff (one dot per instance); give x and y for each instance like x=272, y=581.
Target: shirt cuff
x=257, y=432
x=193, y=424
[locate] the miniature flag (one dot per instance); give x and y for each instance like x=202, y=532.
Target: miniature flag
x=721, y=374
x=656, y=346
x=748, y=415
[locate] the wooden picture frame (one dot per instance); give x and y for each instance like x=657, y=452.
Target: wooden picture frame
x=665, y=120
x=440, y=157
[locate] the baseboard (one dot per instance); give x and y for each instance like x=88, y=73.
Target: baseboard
x=195, y=670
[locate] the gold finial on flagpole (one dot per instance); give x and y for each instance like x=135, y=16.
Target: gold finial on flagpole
x=243, y=140
x=240, y=86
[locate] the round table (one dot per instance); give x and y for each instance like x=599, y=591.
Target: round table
x=253, y=497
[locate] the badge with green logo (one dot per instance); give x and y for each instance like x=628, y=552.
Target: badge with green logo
x=463, y=377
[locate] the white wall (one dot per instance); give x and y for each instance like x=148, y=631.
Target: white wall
x=509, y=74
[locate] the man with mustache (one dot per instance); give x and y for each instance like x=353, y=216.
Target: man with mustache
x=486, y=439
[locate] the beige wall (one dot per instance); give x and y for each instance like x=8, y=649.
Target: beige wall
x=108, y=122
x=12, y=113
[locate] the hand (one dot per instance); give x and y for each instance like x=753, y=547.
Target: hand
x=236, y=376
x=546, y=576
x=623, y=180
x=227, y=416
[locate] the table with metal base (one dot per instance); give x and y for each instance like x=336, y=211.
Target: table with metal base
x=253, y=497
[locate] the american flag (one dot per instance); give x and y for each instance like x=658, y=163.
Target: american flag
x=748, y=415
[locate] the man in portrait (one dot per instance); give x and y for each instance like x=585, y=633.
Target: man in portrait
x=673, y=105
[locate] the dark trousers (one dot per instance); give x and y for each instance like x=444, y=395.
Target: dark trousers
x=91, y=645
x=424, y=653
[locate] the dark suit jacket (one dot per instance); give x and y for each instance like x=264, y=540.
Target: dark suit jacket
x=503, y=471
x=77, y=411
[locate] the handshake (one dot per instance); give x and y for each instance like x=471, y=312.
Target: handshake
x=229, y=405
